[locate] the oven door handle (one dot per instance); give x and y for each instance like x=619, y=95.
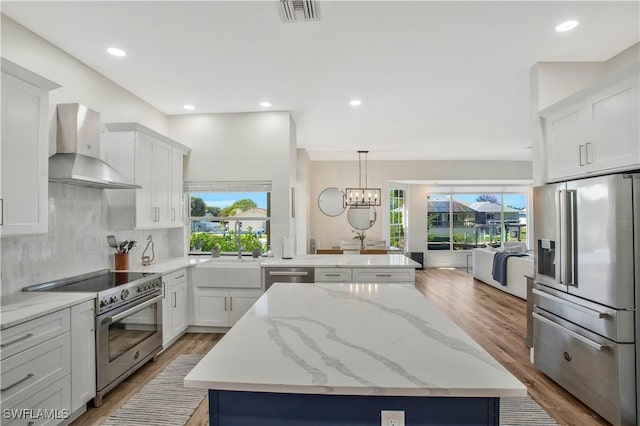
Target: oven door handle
x=118, y=317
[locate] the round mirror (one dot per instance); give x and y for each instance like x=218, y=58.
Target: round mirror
x=361, y=218
x=331, y=201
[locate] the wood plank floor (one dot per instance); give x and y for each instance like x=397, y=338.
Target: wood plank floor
x=496, y=320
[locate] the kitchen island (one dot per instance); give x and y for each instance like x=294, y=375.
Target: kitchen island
x=341, y=353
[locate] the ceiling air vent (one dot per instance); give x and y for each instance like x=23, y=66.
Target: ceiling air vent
x=299, y=10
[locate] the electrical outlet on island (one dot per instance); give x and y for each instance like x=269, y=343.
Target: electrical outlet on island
x=391, y=418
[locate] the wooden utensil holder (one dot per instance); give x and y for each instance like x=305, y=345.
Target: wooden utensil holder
x=121, y=261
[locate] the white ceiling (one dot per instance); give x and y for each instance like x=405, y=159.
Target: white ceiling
x=438, y=80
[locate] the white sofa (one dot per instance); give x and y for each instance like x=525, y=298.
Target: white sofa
x=517, y=268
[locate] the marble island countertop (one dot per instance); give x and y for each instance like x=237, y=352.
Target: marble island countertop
x=351, y=339
x=344, y=260
x=21, y=307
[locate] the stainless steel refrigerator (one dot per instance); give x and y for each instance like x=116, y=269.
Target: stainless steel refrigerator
x=587, y=270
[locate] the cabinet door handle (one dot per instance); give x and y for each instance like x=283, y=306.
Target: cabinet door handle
x=27, y=377
x=231, y=303
x=173, y=295
x=589, y=152
x=581, y=149
x=225, y=303
x=13, y=342
x=2, y=211
x=92, y=318
x=173, y=214
x=163, y=289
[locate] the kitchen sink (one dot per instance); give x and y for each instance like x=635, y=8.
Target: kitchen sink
x=229, y=273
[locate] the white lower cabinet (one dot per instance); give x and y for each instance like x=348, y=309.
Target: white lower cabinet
x=215, y=307
x=174, y=306
x=48, y=363
x=49, y=400
x=83, y=354
x=366, y=275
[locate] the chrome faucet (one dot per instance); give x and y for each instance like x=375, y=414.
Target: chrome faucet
x=237, y=228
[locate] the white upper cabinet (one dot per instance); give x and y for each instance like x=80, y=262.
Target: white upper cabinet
x=177, y=159
x=25, y=150
x=595, y=131
x=154, y=162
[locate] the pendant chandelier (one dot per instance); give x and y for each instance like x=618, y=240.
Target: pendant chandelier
x=362, y=196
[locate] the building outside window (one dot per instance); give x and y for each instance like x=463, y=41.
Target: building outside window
x=216, y=215
x=467, y=221
x=397, y=218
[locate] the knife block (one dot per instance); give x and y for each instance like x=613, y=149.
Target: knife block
x=121, y=261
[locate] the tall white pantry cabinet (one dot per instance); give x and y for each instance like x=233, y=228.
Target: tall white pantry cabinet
x=154, y=162
x=24, y=186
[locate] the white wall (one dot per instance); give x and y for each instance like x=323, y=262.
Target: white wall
x=243, y=147
x=78, y=224
x=328, y=231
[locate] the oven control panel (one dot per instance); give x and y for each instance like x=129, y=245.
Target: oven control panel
x=126, y=293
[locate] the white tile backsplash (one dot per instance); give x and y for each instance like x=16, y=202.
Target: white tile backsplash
x=76, y=242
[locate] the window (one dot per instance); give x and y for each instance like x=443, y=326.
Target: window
x=467, y=221
x=397, y=218
x=215, y=216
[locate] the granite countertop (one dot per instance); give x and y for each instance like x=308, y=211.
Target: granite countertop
x=21, y=307
x=351, y=339
x=345, y=260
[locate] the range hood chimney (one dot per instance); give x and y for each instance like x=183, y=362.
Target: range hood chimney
x=77, y=158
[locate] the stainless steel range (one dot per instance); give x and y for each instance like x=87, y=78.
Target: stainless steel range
x=128, y=321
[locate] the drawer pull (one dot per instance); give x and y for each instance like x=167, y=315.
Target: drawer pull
x=27, y=377
x=585, y=340
x=576, y=306
x=20, y=339
x=180, y=277
x=331, y=275
x=383, y=275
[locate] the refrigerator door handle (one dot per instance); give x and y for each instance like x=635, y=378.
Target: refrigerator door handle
x=568, y=262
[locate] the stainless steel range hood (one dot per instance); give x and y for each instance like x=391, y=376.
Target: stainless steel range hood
x=77, y=158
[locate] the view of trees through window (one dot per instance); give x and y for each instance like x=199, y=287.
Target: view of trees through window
x=396, y=218
x=214, y=216
x=467, y=221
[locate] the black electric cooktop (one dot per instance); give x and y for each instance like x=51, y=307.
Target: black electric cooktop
x=93, y=282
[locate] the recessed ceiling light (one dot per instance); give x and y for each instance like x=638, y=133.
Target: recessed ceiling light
x=355, y=102
x=116, y=52
x=265, y=104
x=567, y=26
x=189, y=107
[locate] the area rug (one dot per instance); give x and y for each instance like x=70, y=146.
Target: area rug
x=164, y=400
x=523, y=411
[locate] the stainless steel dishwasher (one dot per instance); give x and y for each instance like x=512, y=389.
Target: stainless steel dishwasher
x=287, y=275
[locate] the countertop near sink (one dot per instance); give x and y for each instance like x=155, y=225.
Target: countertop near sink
x=165, y=266
x=345, y=260
x=21, y=307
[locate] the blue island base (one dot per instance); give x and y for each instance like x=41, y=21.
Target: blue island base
x=230, y=408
